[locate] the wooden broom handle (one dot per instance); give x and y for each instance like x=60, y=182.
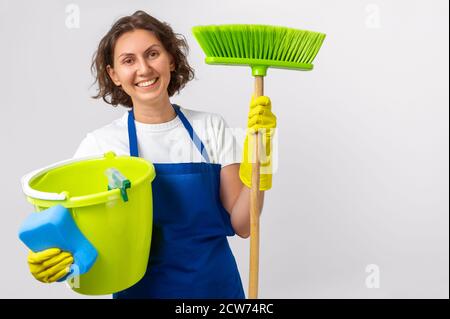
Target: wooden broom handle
x=254, y=207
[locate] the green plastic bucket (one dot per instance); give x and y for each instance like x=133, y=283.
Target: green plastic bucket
x=120, y=230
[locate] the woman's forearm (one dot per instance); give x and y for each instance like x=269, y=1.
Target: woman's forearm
x=240, y=214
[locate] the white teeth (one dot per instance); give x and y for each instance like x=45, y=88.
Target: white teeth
x=148, y=83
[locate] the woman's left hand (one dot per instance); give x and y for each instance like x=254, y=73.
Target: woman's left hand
x=261, y=120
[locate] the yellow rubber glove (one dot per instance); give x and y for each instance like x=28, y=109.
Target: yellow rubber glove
x=49, y=265
x=261, y=118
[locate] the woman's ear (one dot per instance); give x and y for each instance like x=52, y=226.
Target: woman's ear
x=172, y=64
x=112, y=74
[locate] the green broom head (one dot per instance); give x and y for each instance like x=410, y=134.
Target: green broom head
x=259, y=46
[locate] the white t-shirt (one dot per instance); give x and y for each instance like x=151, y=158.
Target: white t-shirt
x=167, y=142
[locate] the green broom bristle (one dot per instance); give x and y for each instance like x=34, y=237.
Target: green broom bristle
x=259, y=45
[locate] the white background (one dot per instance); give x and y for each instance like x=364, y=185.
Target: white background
x=363, y=138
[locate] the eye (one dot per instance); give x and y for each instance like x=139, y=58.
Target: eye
x=127, y=61
x=153, y=54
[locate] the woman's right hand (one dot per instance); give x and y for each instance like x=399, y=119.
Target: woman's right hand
x=49, y=265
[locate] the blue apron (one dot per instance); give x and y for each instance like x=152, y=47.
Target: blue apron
x=190, y=256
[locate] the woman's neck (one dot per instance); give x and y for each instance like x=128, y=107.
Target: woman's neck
x=154, y=114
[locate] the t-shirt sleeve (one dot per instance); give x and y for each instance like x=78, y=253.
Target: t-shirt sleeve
x=88, y=147
x=228, y=149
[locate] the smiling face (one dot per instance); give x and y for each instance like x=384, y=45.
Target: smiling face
x=142, y=67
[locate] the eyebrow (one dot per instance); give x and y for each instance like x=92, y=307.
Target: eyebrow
x=148, y=49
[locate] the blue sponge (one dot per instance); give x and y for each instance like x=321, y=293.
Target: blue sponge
x=55, y=227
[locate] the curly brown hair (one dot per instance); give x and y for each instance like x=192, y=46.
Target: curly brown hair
x=174, y=43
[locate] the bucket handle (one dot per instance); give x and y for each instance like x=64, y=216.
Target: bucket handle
x=25, y=180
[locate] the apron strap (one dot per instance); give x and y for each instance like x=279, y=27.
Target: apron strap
x=194, y=137
x=132, y=136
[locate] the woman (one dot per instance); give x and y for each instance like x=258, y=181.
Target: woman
x=199, y=192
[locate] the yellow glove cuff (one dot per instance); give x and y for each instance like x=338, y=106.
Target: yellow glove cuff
x=265, y=169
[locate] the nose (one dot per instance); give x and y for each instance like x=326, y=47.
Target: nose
x=143, y=67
